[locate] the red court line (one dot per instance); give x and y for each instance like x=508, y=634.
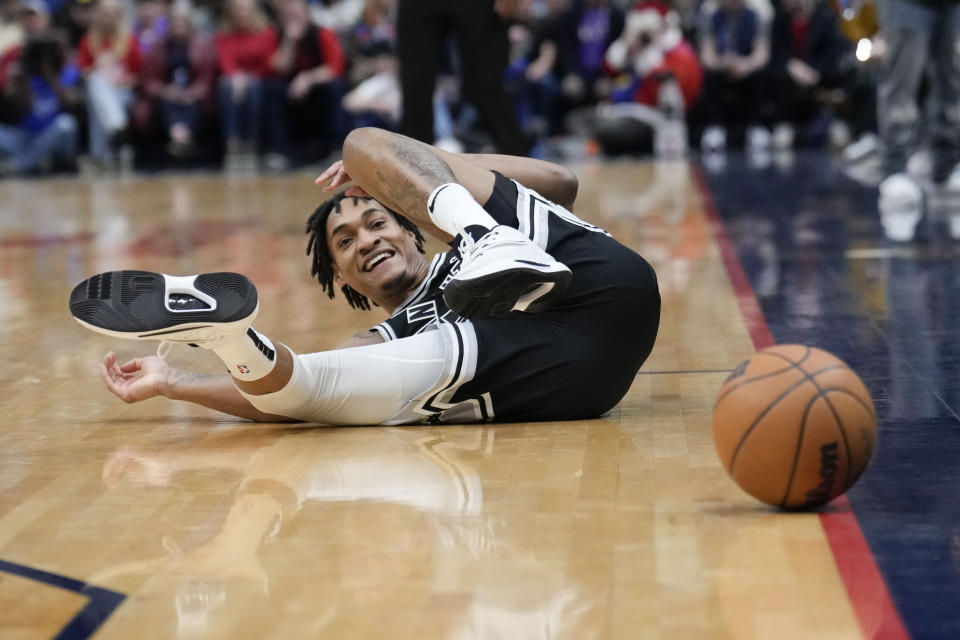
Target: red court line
x=866, y=588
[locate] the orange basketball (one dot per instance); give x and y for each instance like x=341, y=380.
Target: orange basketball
x=794, y=426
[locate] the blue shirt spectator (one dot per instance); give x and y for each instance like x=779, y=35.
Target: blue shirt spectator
x=44, y=87
x=734, y=30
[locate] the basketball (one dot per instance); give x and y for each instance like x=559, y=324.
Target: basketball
x=794, y=426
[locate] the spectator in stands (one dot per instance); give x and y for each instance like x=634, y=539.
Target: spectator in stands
x=11, y=32
x=74, y=19
x=150, y=23
x=734, y=49
x=178, y=76
x=205, y=14
x=372, y=42
x=532, y=76
x=337, y=15
x=42, y=87
x=582, y=35
x=806, y=48
x=304, y=95
x=33, y=20
x=111, y=61
x=651, y=49
x=245, y=48
x=376, y=97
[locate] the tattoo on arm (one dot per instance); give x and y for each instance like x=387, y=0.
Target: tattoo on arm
x=180, y=378
x=407, y=196
x=402, y=194
x=423, y=161
x=186, y=377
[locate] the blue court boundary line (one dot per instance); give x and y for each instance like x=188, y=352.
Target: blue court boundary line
x=86, y=622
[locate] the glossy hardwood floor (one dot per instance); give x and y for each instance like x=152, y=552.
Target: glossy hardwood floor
x=621, y=527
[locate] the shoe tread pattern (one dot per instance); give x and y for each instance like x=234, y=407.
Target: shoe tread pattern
x=133, y=301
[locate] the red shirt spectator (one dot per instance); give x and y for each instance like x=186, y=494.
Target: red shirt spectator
x=329, y=50
x=682, y=61
x=124, y=49
x=247, y=52
x=652, y=45
x=305, y=47
x=7, y=61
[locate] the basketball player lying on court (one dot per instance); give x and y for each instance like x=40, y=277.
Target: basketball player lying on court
x=533, y=314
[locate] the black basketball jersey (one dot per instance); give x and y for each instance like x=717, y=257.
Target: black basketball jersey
x=575, y=360
x=425, y=306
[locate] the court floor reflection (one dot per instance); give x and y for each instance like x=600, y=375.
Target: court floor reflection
x=395, y=516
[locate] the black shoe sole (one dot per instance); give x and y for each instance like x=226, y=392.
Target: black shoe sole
x=133, y=303
x=497, y=294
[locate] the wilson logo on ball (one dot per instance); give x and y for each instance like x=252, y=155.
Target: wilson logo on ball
x=828, y=471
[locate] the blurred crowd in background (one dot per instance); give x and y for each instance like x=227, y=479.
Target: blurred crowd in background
x=106, y=85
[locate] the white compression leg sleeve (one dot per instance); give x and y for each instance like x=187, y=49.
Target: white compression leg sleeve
x=360, y=386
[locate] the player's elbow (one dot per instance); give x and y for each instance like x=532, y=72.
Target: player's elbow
x=567, y=185
x=360, y=145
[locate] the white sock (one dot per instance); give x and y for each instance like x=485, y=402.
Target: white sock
x=248, y=356
x=453, y=209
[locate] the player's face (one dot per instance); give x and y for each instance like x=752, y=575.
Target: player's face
x=372, y=253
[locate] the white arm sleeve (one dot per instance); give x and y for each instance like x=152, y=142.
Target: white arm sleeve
x=364, y=385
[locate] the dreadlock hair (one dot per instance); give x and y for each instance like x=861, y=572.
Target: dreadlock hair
x=322, y=264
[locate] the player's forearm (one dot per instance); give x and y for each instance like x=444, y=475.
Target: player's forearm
x=214, y=392
x=553, y=181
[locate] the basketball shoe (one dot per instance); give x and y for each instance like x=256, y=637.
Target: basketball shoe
x=504, y=271
x=140, y=305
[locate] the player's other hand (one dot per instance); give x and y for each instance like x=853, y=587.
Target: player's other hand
x=136, y=380
x=336, y=176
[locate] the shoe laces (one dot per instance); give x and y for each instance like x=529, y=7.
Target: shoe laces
x=495, y=236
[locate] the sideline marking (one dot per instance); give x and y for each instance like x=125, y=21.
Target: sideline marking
x=866, y=588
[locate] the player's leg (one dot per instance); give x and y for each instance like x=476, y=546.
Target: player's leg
x=211, y=310
x=945, y=94
x=365, y=385
x=502, y=270
x=484, y=54
x=906, y=29
x=421, y=37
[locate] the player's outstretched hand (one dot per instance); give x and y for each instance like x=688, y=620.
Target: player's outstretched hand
x=335, y=176
x=136, y=380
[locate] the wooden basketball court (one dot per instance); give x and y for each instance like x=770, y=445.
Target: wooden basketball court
x=162, y=520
